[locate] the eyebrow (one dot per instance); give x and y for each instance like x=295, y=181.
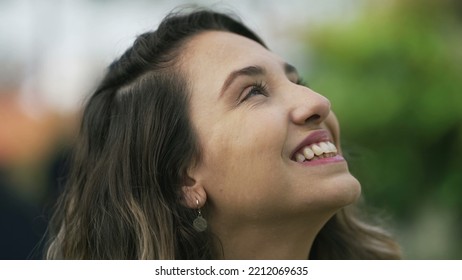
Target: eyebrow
x=252, y=71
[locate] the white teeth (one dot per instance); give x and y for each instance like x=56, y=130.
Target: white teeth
x=332, y=147
x=316, y=151
x=308, y=153
x=299, y=157
x=324, y=147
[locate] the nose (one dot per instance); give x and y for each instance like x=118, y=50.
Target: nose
x=308, y=107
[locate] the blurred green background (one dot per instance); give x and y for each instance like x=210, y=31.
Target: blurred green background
x=392, y=70
x=394, y=76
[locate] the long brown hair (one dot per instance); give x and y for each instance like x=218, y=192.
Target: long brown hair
x=122, y=198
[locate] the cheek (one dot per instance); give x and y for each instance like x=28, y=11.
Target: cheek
x=332, y=125
x=241, y=160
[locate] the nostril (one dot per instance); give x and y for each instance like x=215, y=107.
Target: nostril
x=313, y=118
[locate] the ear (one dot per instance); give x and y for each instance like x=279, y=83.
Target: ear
x=193, y=194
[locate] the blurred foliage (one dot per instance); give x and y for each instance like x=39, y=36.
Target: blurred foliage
x=394, y=76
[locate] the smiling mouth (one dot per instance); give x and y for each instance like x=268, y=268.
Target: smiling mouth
x=315, y=151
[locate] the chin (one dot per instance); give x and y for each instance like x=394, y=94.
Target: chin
x=346, y=191
x=340, y=192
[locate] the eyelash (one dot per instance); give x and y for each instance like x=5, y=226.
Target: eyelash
x=256, y=88
x=301, y=82
x=262, y=88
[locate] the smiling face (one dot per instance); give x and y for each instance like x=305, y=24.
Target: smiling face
x=254, y=122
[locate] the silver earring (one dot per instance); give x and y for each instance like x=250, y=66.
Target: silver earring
x=199, y=223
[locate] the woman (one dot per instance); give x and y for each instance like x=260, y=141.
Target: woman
x=200, y=143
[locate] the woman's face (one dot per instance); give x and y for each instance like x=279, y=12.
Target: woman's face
x=253, y=122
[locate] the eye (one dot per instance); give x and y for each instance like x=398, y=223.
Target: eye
x=301, y=82
x=256, y=89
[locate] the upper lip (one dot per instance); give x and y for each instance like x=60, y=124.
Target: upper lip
x=317, y=136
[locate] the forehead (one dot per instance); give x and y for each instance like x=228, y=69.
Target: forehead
x=215, y=54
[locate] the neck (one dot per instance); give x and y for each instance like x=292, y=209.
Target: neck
x=289, y=241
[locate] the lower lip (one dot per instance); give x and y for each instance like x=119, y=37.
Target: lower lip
x=337, y=158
